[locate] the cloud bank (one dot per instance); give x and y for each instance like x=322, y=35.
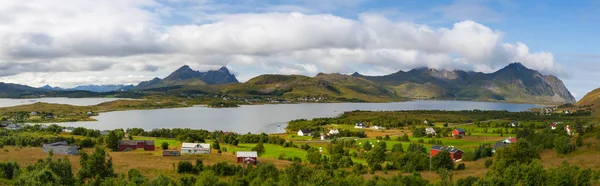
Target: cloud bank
x=138, y=38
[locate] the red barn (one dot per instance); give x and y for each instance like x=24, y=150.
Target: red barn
x=457, y=133
x=455, y=153
x=127, y=145
x=249, y=157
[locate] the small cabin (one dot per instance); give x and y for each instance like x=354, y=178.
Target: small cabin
x=458, y=133
x=430, y=131
x=455, y=153
x=247, y=157
x=304, y=132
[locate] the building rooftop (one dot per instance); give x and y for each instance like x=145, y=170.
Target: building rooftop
x=247, y=154
x=441, y=148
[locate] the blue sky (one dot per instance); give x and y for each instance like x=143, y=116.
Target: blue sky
x=65, y=43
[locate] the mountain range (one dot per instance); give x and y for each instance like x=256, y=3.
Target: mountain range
x=513, y=83
x=92, y=88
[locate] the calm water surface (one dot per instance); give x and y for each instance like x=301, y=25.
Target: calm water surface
x=70, y=101
x=266, y=118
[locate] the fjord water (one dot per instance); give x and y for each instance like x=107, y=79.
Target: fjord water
x=68, y=101
x=269, y=118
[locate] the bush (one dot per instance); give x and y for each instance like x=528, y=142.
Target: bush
x=165, y=146
x=468, y=156
x=460, y=166
x=184, y=167
x=8, y=170
x=488, y=163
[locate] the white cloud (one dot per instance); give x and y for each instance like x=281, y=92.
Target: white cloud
x=126, y=37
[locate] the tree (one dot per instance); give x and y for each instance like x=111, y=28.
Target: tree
x=579, y=141
x=112, y=141
x=165, y=146
x=562, y=145
x=313, y=156
x=184, y=167
x=259, y=148
x=377, y=155
x=397, y=148
x=367, y=146
x=216, y=145
x=97, y=165
x=442, y=160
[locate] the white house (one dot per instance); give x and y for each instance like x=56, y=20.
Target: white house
x=360, y=125
x=569, y=130
x=13, y=127
x=68, y=129
x=334, y=131
x=195, y=148
x=514, y=124
x=304, y=132
x=430, y=130
x=378, y=127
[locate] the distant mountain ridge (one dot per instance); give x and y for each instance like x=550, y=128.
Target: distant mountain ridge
x=187, y=76
x=92, y=88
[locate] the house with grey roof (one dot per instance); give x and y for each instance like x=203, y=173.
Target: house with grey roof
x=61, y=147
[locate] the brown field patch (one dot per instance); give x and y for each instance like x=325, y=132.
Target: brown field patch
x=149, y=163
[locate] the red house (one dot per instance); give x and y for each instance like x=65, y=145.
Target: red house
x=455, y=153
x=249, y=157
x=128, y=145
x=457, y=133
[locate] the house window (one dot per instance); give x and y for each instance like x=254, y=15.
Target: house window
x=189, y=151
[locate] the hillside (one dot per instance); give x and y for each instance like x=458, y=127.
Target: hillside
x=591, y=101
x=16, y=90
x=513, y=83
x=333, y=86
x=92, y=88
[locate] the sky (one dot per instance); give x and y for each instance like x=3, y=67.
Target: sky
x=68, y=43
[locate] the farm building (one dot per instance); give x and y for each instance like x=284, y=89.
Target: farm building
x=61, y=147
x=334, y=131
x=570, y=131
x=553, y=126
x=195, y=148
x=455, y=153
x=127, y=145
x=430, y=130
x=458, y=133
x=378, y=127
x=510, y=140
x=171, y=153
x=360, y=125
x=248, y=157
x=304, y=132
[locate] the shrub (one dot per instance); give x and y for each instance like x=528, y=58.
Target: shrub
x=488, y=163
x=164, y=145
x=460, y=166
x=184, y=167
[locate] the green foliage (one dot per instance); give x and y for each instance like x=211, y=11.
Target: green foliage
x=313, y=156
x=397, y=148
x=562, y=145
x=569, y=175
x=521, y=152
x=468, y=181
x=184, y=167
x=376, y=156
x=216, y=145
x=442, y=160
x=367, y=146
x=488, y=163
x=460, y=166
x=98, y=165
x=414, y=147
x=112, y=141
x=8, y=170
x=164, y=146
x=259, y=148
